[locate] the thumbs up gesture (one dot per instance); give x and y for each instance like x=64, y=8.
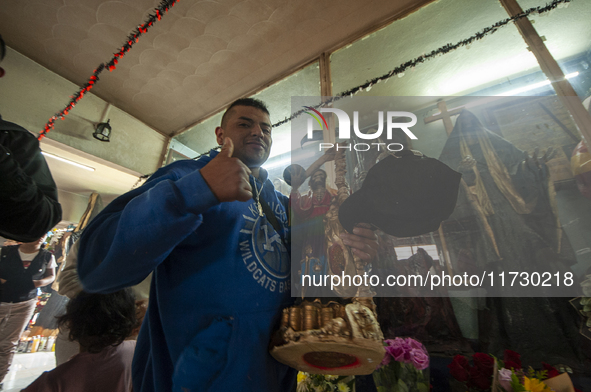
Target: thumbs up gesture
x=226, y=176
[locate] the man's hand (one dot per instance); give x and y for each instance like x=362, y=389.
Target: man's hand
x=2, y=280
x=227, y=177
x=363, y=242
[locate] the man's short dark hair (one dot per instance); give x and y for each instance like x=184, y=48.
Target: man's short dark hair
x=2, y=49
x=255, y=103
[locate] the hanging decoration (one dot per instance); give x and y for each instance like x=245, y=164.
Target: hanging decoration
x=132, y=38
x=435, y=53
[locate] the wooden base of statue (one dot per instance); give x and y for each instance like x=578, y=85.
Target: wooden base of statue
x=331, y=338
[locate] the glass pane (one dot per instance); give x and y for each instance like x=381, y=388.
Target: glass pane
x=496, y=58
x=567, y=35
x=201, y=138
x=174, y=156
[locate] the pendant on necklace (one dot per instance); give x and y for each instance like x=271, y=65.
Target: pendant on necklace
x=256, y=197
x=260, y=208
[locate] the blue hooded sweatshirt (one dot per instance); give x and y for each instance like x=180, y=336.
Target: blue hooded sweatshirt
x=221, y=279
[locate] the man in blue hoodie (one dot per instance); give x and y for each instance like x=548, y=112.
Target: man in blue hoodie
x=215, y=233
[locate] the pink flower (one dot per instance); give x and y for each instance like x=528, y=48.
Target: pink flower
x=419, y=358
x=396, y=352
x=399, y=349
x=415, y=344
x=505, y=379
x=408, y=351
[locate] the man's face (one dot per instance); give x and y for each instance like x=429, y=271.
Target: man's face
x=318, y=179
x=250, y=131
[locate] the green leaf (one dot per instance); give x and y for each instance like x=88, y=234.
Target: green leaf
x=531, y=373
x=516, y=384
x=542, y=374
x=423, y=387
x=402, y=387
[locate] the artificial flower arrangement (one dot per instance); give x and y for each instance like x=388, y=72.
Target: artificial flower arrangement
x=404, y=367
x=492, y=374
x=324, y=383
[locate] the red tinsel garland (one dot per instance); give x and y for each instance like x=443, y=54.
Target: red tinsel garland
x=111, y=65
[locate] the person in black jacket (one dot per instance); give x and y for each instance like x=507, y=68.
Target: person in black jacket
x=29, y=206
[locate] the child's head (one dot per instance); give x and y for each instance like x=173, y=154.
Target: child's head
x=97, y=321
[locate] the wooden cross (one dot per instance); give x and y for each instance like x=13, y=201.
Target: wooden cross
x=445, y=116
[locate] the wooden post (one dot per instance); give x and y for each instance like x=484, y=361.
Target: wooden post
x=325, y=77
x=326, y=91
x=551, y=69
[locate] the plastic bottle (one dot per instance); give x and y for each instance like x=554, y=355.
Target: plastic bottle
x=22, y=345
x=49, y=345
x=42, y=343
x=29, y=345
x=35, y=344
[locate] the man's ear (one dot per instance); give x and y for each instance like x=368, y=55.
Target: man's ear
x=219, y=135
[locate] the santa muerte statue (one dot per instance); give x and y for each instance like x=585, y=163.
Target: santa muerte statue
x=506, y=219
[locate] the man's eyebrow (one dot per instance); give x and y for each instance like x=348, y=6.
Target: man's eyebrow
x=252, y=121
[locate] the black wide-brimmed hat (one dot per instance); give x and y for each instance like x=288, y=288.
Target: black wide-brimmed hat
x=404, y=195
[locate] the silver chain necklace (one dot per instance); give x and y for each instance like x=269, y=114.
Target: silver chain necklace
x=256, y=195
